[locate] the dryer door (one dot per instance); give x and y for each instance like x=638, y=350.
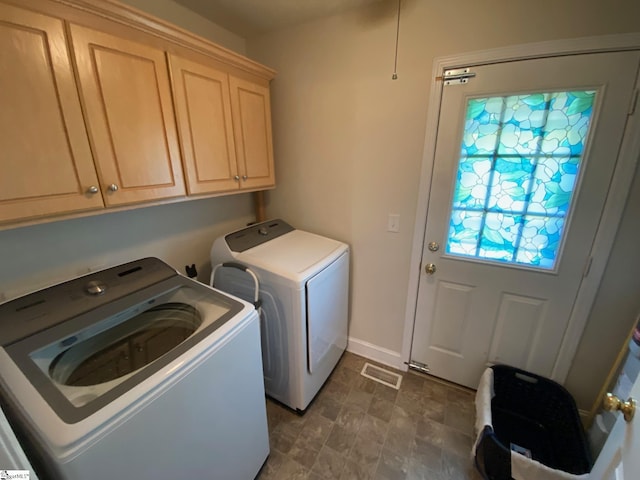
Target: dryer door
x=327, y=311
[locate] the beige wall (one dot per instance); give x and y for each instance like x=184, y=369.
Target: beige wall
x=349, y=140
x=180, y=234
x=175, y=13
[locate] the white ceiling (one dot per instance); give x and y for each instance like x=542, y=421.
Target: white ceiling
x=251, y=17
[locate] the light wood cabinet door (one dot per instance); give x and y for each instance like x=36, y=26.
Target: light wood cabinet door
x=45, y=160
x=127, y=100
x=203, y=111
x=251, y=108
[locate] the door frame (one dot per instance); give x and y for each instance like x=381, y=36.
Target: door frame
x=614, y=204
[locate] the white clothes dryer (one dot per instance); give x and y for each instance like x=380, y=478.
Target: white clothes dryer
x=304, y=300
x=134, y=372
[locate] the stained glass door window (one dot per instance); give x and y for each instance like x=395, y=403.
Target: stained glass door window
x=520, y=159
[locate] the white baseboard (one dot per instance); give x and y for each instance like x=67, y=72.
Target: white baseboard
x=376, y=353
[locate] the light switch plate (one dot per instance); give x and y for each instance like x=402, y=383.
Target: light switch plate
x=393, y=224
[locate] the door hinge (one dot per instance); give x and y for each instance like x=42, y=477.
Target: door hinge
x=419, y=366
x=456, y=76
x=587, y=267
x=634, y=102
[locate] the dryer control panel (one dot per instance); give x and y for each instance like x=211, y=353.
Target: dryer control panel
x=257, y=235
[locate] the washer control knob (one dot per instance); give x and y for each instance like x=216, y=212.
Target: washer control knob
x=263, y=231
x=96, y=288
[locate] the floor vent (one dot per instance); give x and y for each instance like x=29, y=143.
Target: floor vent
x=381, y=375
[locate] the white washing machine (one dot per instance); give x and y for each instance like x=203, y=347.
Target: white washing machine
x=304, y=300
x=12, y=456
x=134, y=372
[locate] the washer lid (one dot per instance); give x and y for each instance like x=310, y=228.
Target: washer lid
x=46, y=308
x=82, y=365
x=296, y=255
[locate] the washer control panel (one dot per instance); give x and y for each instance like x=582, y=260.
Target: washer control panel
x=95, y=287
x=37, y=311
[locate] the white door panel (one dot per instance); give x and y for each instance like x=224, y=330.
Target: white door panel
x=518, y=324
x=619, y=459
x=481, y=308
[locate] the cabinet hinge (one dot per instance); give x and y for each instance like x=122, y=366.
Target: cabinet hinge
x=634, y=102
x=456, y=76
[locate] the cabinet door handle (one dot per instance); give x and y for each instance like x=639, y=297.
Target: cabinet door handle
x=244, y=177
x=113, y=187
x=236, y=178
x=92, y=189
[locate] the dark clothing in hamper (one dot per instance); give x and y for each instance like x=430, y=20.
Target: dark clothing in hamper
x=536, y=417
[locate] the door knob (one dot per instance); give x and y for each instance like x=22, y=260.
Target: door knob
x=433, y=246
x=430, y=268
x=613, y=404
x=236, y=178
x=92, y=189
x=113, y=187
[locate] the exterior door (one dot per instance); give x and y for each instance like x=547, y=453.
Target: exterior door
x=619, y=458
x=524, y=155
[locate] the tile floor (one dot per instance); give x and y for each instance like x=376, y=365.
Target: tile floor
x=357, y=428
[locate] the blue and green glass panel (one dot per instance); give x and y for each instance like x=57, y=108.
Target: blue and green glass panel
x=520, y=158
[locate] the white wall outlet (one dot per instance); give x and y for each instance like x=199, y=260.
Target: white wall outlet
x=393, y=224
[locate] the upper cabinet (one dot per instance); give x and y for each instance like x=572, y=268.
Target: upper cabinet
x=203, y=109
x=251, y=109
x=225, y=128
x=102, y=106
x=46, y=165
x=127, y=98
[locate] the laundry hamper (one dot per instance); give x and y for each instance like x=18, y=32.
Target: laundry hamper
x=528, y=428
